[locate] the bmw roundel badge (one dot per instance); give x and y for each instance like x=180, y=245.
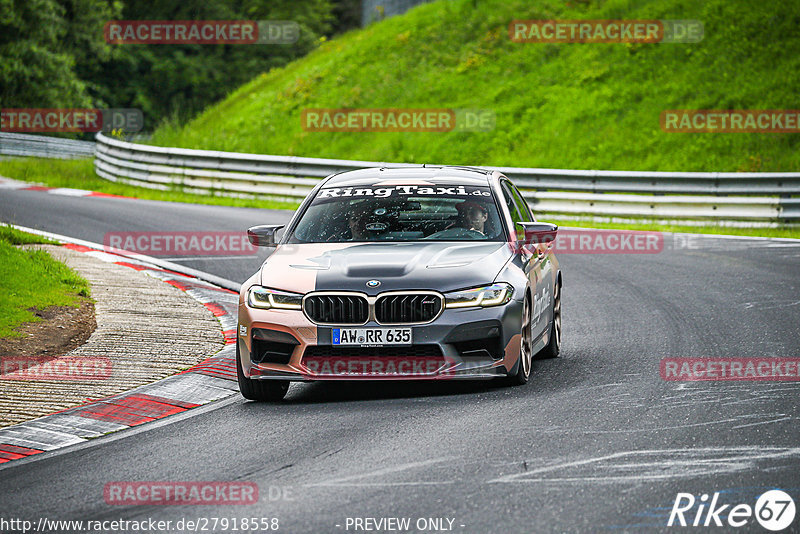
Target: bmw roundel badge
x=373, y=283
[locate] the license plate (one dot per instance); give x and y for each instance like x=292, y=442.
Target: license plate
x=371, y=336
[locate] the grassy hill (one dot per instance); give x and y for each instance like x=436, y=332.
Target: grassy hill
x=583, y=106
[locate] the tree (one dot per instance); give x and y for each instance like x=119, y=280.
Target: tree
x=35, y=70
x=53, y=54
x=175, y=82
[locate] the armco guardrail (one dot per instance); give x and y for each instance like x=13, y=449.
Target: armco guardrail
x=714, y=196
x=13, y=144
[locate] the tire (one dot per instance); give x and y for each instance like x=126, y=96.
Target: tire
x=553, y=347
x=259, y=390
x=522, y=370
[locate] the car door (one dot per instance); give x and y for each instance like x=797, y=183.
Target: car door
x=536, y=264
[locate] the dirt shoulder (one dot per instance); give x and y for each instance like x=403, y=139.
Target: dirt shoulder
x=61, y=330
x=146, y=330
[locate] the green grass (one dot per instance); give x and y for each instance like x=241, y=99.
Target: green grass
x=575, y=106
x=79, y=174
x=781, y=231
x=32, y=279
x=11, y=235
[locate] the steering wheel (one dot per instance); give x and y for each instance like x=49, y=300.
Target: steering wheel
x=457, y=232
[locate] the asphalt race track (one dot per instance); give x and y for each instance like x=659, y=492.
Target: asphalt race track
x=596, y=442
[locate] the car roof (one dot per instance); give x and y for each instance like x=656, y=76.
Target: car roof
x=437, y=175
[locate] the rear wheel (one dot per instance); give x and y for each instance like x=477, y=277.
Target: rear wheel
x=259, y=390
x=524, y=364
x=553, y=347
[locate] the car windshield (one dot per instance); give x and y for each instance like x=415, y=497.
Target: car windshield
x=400, y=213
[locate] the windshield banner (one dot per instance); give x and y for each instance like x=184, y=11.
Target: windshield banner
x=403, y=190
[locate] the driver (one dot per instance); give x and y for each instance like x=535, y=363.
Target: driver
x=472, y=216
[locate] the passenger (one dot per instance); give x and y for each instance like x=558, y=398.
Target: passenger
x=356, y=221
x=368, y=223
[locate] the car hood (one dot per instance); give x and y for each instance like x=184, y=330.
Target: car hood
x=441, y=266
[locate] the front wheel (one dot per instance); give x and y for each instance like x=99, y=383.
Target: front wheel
x=553, y=347
x=259, y=390
x=525, y=362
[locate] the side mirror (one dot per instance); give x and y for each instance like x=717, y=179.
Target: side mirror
x=263, y=235
x=538, y=233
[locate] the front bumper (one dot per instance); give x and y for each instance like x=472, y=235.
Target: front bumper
x=466, y=343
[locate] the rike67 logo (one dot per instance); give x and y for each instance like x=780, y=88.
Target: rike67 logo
x=774, y=510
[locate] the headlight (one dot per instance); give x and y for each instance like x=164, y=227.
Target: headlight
x=262, y=297
x=493, y=295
